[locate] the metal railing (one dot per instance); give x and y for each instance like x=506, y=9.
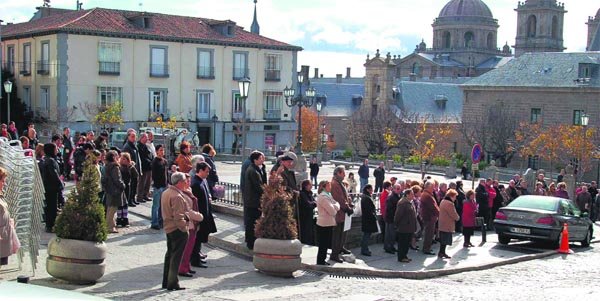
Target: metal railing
x=43, y=67
x=25, y=68
x=240, y=73
x=206, y=72
x=232, y=195
x=159, y=70
x=272, y=114
x=272, y=75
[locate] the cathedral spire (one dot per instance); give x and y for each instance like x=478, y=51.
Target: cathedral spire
x=255, y=28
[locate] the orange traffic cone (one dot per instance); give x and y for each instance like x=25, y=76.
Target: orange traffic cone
x=564, y=242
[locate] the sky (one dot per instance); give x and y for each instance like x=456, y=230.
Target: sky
x=335, y=34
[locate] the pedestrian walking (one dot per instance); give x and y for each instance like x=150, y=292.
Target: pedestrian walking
x=314, y=170
x=379, y=174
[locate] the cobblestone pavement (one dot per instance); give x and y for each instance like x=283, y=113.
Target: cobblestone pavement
x=135, y=269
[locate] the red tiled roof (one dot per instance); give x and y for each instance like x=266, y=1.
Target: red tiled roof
x=102, y=21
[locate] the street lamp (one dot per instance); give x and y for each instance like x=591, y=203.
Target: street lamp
x=319, y=106
x=215, y=118
x=585, y=118
x=306, y=100
x=244, y=86
x=8, y=89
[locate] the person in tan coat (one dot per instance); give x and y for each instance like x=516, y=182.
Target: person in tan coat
x=447, y=221
x=174, y=210
x=340, y=194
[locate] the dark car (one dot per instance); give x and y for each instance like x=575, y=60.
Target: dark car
x=541, y=218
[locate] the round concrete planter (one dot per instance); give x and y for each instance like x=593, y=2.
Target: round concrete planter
x=76, y=261
x=277, y=257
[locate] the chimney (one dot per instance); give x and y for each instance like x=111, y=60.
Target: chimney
x=304, y=69
x=348, y=72
x=338, y=78
x=316, y=72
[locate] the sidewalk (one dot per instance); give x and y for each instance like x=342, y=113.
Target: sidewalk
x=230, y=236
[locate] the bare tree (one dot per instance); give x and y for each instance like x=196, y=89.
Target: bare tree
x=494, y=131
x=368, y=127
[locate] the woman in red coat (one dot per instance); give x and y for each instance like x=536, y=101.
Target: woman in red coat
x=469, y=213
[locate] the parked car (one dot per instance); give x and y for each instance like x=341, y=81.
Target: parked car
x=541, y=218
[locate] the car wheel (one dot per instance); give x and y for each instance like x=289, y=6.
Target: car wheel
x=503, y=239
x=588, y=238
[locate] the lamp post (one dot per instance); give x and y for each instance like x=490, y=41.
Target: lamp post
x=215, y=118
x=8, y=88
x=306, y=100
x=585, y=118
x=323, y=141
x=319, y=106
x=244, y=86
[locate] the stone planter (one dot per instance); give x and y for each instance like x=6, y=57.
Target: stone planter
x=76, y=261
x=277, y=257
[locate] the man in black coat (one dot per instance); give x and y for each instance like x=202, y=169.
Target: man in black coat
x=255, y=178
x=482, y=198
x=207, y=226
x=379, y=174
x=53, y=186
x=67, y=152
x=145, y=179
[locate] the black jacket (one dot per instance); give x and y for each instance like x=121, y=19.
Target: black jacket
x=390, y=207
x=253, y=187
x=159, y=172
x=481, y=196
x=146, y=156
x=51, y=175
x=207, y=225
x=369, y=214
x=132, y=149
x=379, y=174
x=314, y=169
x=363, y=171
x=212, y=178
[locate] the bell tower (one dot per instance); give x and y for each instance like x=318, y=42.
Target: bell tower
x=539, y=26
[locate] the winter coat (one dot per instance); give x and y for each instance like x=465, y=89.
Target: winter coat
x=379, y=174
x=382, y=198
x=469, y=213
x=405, y=217
x=51, y=175
x=6, y=230
x=314, y=169
x=482, y=195
x=448, y=216
x=212, y=178
x=327, y=209
x=429, y=211
x=363, y=171
x=253, y=187
x=131, y=148
x=113, y=185
x=390, y=207
x=146, y=156
x=339, y=193
x=351, y=185
x=184, y=162
x=306, y=205
x=201, y=191
x=369, y=214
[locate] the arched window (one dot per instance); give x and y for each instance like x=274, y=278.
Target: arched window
x=469, y=39
x=415, y=68
x=531, y=26
x=554, y=27
x=447, y=40
x=491, y=43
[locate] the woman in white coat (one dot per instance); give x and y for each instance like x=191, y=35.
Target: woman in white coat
x=327, y=208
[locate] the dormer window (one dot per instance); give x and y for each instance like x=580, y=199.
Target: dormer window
x=226, y=28
x=141, y=20
x=441, y=100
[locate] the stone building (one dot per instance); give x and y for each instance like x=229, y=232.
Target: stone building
x=593, y=40
x=539, y=26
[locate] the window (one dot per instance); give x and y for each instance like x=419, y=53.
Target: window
x=532, y=162
x=158, y=102
x=272, y=104
x=44, y=64
x=44, y=99
x=108, y=95
x=203, y=105
x=554, y=27
x=109, y=58
x=26, y=68
x=469, y=38
x=491, y=41
x=531, y=26
x=206, y=67
x=240, y=65
x=577, y=114
x=158, y=61
x=536, y=115
x=447, y=40
x=272, y=67
x=237, y=107
x=10, y=58
x=27, y=97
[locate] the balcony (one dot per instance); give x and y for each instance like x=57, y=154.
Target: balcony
x=43, y=67
x=240, y=73
x=206, y=73
x=10, y=67
x=272, y=75
x=25, y=68
x=159, y=70
x=40, y=112
x=272, y=114
x=109, y=68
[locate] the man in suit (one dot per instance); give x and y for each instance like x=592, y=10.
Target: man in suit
x=201, y=191
x=255, y=178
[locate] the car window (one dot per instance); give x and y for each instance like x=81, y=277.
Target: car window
x=573, y=208
x=548, y=204
x=565, y=208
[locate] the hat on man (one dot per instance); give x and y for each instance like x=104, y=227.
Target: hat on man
x=287, y=158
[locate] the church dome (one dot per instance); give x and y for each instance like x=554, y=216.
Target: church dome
x=464, y=8
x=598, y=14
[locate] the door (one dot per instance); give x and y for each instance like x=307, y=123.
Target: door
x=572, y=217
x=203, y=135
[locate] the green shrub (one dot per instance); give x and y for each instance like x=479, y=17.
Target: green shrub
x=83, y=217
x=277, y=220
x=397, y=158
x=347, y=153
x=378, y=157
x=440, y=161
x=413, y=160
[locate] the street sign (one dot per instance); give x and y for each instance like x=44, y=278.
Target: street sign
x=476, y=153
